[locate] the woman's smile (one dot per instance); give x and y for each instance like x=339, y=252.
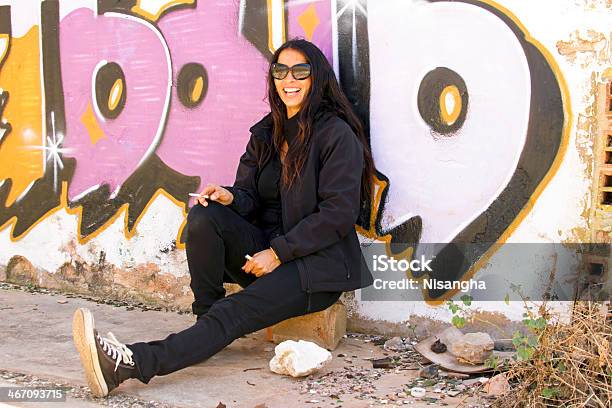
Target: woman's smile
x=291, y=92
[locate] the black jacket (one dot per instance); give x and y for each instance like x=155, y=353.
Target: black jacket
x=319, y=211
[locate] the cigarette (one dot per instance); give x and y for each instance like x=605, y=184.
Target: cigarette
x=249, y=257
x=198, y=195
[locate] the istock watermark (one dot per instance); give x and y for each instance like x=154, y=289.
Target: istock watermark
x=384, y=263
x=487, y=271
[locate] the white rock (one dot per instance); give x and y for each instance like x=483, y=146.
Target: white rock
x=417, y=392
x=298, y=358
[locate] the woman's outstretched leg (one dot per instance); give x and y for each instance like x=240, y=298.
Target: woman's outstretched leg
x=217, y=240
x=270, y=299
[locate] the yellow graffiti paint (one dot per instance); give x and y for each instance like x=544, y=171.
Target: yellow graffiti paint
x=21, y=155
x=450, y=104
x=88, y=119
x=198, y=86
x=114, y=96
x=277, y=32
x=309, y=20
x=152, y=9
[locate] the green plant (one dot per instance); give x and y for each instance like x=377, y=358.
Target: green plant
x=460, y=313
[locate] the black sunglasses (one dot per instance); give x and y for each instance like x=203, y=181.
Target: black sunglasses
x=299, y=71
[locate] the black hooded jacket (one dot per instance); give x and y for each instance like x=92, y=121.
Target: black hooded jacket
x=320, y=209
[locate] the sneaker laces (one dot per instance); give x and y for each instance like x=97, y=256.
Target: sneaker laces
x=116, y=350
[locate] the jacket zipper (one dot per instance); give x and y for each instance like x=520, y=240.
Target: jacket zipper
x=348, y=271
x=308, y=290
x=283, y=201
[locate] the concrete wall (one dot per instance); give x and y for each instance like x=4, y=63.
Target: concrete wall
x=487, y=122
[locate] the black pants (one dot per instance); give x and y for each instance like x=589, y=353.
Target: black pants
x=217, y=240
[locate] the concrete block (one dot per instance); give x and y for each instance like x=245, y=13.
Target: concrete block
x=325, y=328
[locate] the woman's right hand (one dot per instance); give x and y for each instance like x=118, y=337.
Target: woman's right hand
x=215, y=193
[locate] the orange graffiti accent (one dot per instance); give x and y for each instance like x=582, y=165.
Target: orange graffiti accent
x=152, y=10
x=309, y=21
x=21, y=155
x=88, y=119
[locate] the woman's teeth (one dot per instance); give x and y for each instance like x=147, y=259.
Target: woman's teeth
x=291, y=90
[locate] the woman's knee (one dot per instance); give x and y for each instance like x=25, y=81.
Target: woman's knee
x=203, y=219
x=323, y=300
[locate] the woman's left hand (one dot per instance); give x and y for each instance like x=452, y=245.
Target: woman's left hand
x=261, y=263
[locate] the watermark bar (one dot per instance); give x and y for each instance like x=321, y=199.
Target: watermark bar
x=24, y=394
x=487, y=271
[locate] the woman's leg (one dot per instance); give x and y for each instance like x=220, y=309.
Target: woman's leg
x=217, y=240
x=270, y=299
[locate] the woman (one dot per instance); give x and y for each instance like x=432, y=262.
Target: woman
x=298, y=192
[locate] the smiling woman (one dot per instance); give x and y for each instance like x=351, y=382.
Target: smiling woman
x=291, y=213
x=291, y=90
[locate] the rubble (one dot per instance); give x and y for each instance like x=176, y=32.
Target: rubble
x=350, y=380
x=397, y=344
x=386, y=362
x=497, y=385
x=451, y=363
x=473, y=348
x=430, y=371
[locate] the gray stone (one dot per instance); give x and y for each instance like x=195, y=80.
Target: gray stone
x=397, y=344
x=431, y=371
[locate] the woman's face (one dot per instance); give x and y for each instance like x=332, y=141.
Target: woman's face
x=292, y=91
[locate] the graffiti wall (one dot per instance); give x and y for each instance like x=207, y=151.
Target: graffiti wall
x=114, y=111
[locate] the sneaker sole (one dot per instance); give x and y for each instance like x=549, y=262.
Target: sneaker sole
x=83, y=337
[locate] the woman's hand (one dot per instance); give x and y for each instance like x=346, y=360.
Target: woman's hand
x=261, y=263
x=216, y=193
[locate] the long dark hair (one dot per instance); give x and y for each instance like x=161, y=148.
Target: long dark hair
x=325, y=95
